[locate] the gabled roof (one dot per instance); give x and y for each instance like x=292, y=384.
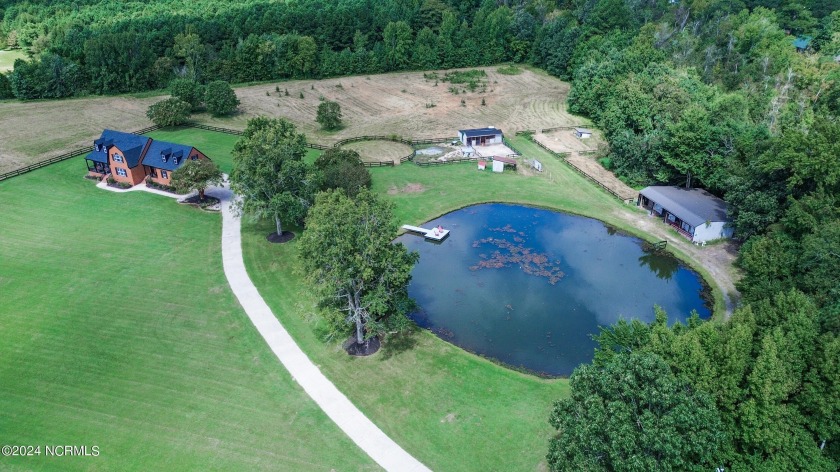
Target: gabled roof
x=471, y=133
x=802, y=42
x=694, y=206
x=173, y=152
x=129, y=144
x=132, y=147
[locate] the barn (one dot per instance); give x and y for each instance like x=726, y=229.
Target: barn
x=694, y=213
x=480, y=136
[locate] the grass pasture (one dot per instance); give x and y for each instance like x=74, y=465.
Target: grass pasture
x=118, y=330
x=398, y=103
x=8, y=58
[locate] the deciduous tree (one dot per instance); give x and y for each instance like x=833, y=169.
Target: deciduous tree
x=197, y=175
x=348, y=254
x=220, y=98
x=269, y=173
x=633, y=414
x=329, y=115
x=169, y=112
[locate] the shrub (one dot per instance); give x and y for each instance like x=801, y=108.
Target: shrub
x=509, y=70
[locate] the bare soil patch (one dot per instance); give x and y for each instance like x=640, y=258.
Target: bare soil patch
x=596, y=171
x=566, y=141
x=380, y=151
x=409, y=188
x=280, y=238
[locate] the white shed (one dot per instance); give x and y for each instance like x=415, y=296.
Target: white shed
x=480, y=136
x=498, y=166
x=583, y=133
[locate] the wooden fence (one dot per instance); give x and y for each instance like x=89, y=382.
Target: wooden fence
x=62, y=157
x=559, y=155
x=609, y=190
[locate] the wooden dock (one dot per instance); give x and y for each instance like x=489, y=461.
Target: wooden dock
x=433, y=234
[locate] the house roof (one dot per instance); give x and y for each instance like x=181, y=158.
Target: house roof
x=158, y=149
x=802, y=42
x=694, y=206
x=471, y=133
x=132, y=147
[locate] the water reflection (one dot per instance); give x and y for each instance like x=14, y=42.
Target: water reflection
x=528, y=287
x=661, y=264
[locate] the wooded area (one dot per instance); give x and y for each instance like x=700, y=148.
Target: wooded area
x=709, y=93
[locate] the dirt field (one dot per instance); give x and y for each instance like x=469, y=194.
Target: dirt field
x=397, y=104
x=380, y=151
x=566, y=141
x=371, y=105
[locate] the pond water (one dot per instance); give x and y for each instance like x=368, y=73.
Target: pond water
x=528, y=287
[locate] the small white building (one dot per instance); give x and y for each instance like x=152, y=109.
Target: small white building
x=480, y=137
x=583, y=133
x=694, y=213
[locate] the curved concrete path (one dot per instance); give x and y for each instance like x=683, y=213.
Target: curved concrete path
x=382, y=449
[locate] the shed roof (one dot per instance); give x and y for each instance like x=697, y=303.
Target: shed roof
x=694, y=206
x=506, y=160
x=583, y=130
x=471, y=133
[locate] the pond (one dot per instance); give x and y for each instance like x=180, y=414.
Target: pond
x=528, y=287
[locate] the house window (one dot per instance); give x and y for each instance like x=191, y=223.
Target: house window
x=164, y=174
x=153, y=173
x=121, y=172
x=118, y=158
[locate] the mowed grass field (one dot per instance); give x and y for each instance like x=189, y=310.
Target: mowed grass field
x=384, y=104
x=118, y=330
x=8, y=58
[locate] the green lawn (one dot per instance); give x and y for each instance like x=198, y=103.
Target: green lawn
x=7, y=59
x=118, y=330
x=172, y=374
x=217, y=146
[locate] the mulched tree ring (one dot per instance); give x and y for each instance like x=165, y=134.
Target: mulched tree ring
x=280, y=238
x=367, y=348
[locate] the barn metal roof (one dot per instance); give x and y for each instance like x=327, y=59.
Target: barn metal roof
x=694, y=206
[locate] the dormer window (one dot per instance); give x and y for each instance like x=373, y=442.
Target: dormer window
x=118, y=158
x=175, y=160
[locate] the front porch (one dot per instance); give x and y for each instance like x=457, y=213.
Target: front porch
x=683, y=228
x=98, y=170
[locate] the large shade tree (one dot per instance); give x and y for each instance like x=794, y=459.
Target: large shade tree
x=269, y=173
x=348, y=254
x=633, y=414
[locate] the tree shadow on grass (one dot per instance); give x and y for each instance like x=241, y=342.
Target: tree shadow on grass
x=396, y=344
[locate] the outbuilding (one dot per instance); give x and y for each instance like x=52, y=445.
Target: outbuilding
x=694, y=213
x=480, y=136
x=583, y=133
